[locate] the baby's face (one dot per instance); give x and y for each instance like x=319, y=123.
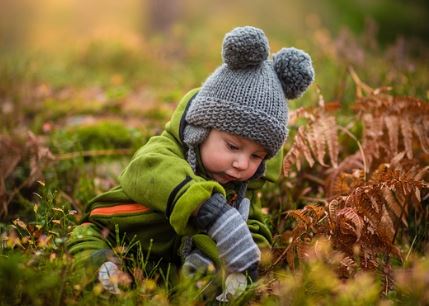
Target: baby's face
x=228, y=157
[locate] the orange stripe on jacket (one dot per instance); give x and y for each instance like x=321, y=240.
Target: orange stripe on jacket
x=119, y=209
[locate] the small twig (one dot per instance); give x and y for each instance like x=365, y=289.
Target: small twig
x=314, y=179
x=283, y=254
x=16, y=191
x=411, y=248
x=399, y=219
x=203, y=289
x=71, y=200
x=359, y=84
x=365, y=168
x=311, y=199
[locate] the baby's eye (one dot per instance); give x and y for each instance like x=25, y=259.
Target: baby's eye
x=257, y=156
x=232, y=147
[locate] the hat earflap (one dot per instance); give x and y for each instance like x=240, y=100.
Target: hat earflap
x=192, y=137
x=294, y=70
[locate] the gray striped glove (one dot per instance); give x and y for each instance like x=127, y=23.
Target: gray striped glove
x=244, y=208
x=226, y=226
x=196, y=262
x=108, y=276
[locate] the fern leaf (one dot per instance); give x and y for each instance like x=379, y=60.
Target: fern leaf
x=303, y=147
x=417, y=195
x=394, y=206
x=407, y=134
x=318, y=211
x=386, y=228
x=421, y=173
x=392, y=126
x=315, y=141
x=349, y=222
x=299, y=217
x=374, y=204
x=397, y=158
x=422, y=135
x=347, y=267
x=333, y=207
x=292, y=157
x=302, y=251
x=290, y=257
x=331, y=138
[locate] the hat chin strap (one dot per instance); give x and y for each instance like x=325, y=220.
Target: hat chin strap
x=192, y=137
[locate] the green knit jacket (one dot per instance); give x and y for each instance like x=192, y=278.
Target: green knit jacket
x=158, y=192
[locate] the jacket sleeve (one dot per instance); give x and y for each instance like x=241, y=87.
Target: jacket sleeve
x=159, y=177
x=258, y=222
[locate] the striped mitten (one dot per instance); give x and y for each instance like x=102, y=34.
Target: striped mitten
x=196, y=262
x=227, y=228
x=108, y=277
x=244, y=208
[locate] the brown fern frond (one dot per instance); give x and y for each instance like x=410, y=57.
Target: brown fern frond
x=332, y=208
x=407, y=134
x=331, y=138
x=317, y=211
x=342, y=185
x=372, y=193
x=334, y=186
x=303, y=148
x=347, y=267
x=290, y=256
x=291, y=158
x=421, y=131
x=386, y=228
x=349, y=222
x=314, y=140
x=392, y=126
x=394, y=206
x=398, y=159
x=302, y=249
x=300, y=217
x=421, y=173
x=383, y=173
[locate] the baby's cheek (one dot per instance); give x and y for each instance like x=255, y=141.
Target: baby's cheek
x=250, y=172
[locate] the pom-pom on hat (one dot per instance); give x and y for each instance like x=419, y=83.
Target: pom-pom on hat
x=247, y=94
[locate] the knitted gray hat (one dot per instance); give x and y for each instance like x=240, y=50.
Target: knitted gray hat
x=247, y=94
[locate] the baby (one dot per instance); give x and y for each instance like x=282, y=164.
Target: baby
x=189, y=196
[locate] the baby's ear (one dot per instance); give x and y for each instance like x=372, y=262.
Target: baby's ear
x=294, y=70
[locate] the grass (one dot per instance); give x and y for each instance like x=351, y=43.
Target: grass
x=93, y=105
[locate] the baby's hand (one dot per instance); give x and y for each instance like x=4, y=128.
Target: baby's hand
x=108, y=275
x=226, y=226
x=244, y=208
x=197, y=262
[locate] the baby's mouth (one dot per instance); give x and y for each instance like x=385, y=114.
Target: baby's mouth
x=223, y=177
x=229, y=178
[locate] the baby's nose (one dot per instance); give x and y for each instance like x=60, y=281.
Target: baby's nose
x=241, y=162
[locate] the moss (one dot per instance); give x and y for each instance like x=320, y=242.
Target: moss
x=157, y=114
x=100, y=135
